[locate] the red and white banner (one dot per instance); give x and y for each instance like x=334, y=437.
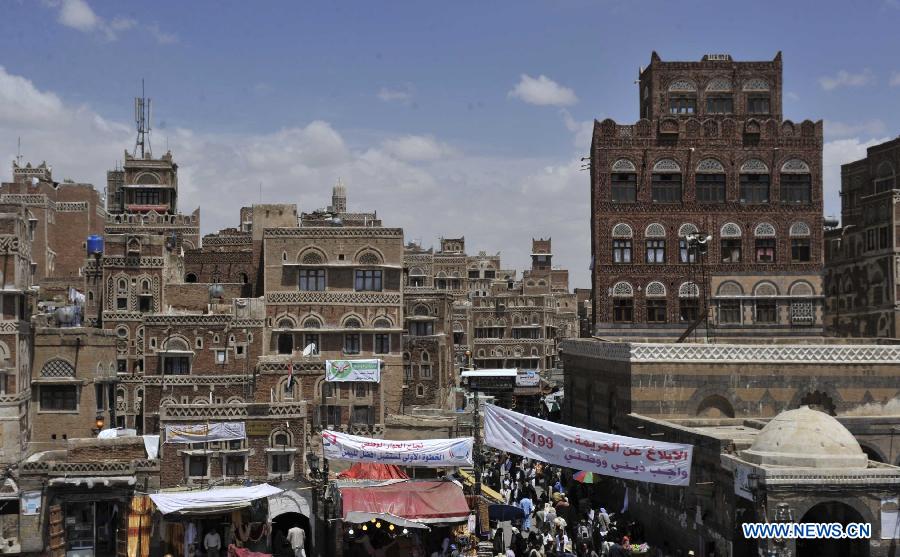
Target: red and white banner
x=629, y=458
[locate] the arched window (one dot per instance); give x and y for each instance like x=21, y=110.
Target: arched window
x=621, y=244
x=285, y=323
x=765, y=289
x=666, y=182
x=420, y=390
x=710, y=181
x=421, y=310
x=655, y=289
x=754, y=182
x=623, y=302
x=190, y=277
x=352, y=323
x=382, y=323
x=757, y=93
x=765, y=242
x=682, y=97
x=368, y=257
x=312, y=257
x=731, y=245
x=796, y=182
x=688, y=302
x=312, y=323
x=719, y=98
x=57, y=368
x=623, y=181
x=122, y=294
x=885, y=177
x=655, y=251
x=800, y=242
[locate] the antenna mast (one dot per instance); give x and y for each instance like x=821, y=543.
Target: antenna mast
x=143, y=116
x=19, y=152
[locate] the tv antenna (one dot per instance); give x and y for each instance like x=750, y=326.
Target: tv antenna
x=143, y=116
x=19, y=152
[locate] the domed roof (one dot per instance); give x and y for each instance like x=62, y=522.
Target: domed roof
x=806, y=438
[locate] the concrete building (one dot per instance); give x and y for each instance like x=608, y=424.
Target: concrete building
x=862, y=256
x=707, y=212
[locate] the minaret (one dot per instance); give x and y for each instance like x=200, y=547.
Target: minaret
x=339, y=198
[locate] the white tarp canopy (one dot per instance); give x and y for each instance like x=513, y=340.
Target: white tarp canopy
x=211, y=500
x=490, y=373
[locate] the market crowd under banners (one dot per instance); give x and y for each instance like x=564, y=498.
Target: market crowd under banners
x=582, y=449
x=366, y=371
x=426, y=453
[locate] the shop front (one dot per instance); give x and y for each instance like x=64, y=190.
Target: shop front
x=207, y=522
x=400, y=517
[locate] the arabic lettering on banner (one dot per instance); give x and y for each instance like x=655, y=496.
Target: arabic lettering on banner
x=203, y=433
x=365, y=371
x=428, y=453
x=528, y=378
x=582, y=449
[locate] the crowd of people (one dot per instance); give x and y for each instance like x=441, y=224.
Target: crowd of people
x=560, y=516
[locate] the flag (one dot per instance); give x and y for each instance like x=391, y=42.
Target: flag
x=290, y=381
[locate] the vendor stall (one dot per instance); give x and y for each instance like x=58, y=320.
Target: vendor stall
x=401, y=517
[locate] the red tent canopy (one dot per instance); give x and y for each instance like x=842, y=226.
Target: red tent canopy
x=373, y=471
x=426, y=501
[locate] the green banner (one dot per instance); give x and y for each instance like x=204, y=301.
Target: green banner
x=366, y=371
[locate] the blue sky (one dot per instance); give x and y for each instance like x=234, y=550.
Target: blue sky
x=435, y=114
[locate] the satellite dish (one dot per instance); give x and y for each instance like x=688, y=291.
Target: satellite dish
x=310, y=349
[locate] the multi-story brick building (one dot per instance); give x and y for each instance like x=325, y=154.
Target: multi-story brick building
x=74, y=384
x=710, y=159
x=61, y=217
x=862, y=257
x=499, y=320
x=142, y=197
x=16, y=274
x=338, y=288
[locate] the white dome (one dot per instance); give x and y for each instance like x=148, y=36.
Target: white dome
x=806, y=438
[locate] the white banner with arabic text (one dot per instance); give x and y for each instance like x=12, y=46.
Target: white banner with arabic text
x=430, y=452
x=629, y=458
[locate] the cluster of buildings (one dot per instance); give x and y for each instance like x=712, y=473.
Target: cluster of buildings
x=728, y=314
x=724, y=312
x=117, y=316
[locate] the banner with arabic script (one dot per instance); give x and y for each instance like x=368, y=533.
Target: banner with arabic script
x=204, y=433
x=582, y=449
x=367, y=371
x=427, y=453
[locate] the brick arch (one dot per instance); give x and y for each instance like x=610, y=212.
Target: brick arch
x=311, y=256
x=715, y=406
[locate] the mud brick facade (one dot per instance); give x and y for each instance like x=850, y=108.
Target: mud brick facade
x=16, y=305
x=61, y=216
x=710, y=157
x=73, y=384
x=339, y=288
x=862, y=257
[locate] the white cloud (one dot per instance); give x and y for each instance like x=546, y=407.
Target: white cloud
x=846, y=79
x=404, y=95
x=161, y=36
x=417, y=148
x=895, y=79
x=542, y=91
x=791, y=96
x=418, y=183
x=836, y=130
x=78, y=15
x=583, y=130
x=834, y=154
